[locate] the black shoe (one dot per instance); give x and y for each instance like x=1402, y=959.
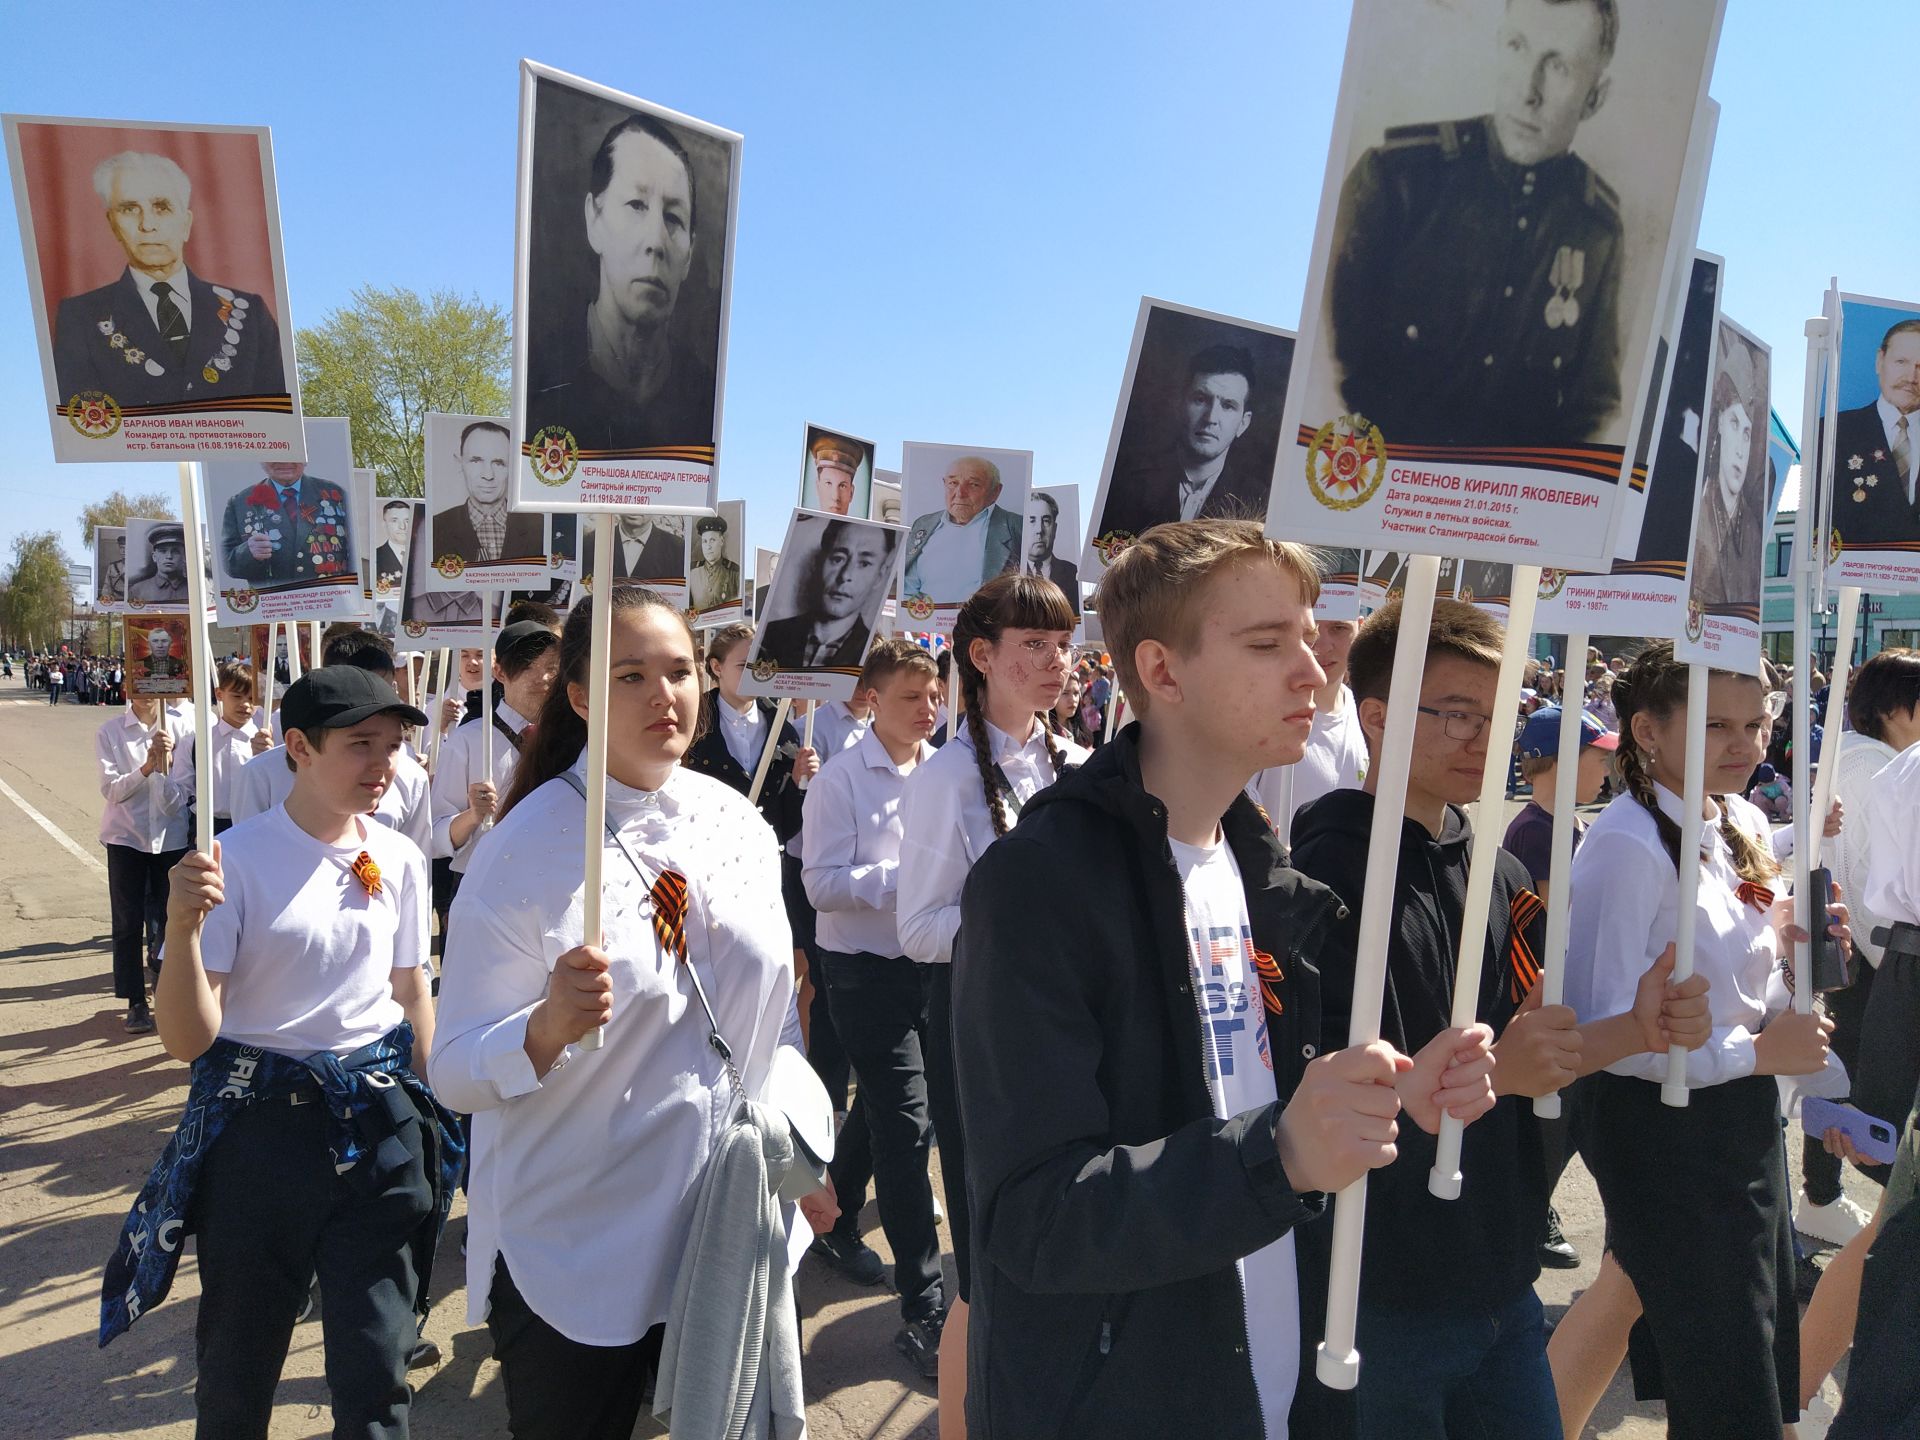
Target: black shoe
x=919, y=1341
x=1556, y=1251
x=425, y=1354
x=139, y=1018
x=851, y=1256
x=308, y=1305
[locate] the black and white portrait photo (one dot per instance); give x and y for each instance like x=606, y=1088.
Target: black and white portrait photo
x=430, y=617
x=1050, y=541
x=1196, y=429
x=1489, y=265
x=394, y=528
x=648, y=550
x=836, y=473
x=478, y=539
x=968, y=509
x=1730, y=520
x=823, y=608
x=621, y=302
x=284, y=539
x=715, y=544
x=156, y=577
x=109, y=568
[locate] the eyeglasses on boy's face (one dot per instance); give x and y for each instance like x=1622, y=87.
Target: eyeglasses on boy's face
x=1458, y=724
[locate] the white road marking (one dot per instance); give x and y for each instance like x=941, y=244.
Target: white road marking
x=65, y=840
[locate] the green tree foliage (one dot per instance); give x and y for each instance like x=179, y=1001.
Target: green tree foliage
x=391, y=357
x=115, y=509
x=36, y=604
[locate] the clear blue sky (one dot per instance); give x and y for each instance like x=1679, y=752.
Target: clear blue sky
x=949, y=213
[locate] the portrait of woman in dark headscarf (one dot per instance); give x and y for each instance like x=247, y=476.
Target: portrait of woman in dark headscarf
x=1729, y=533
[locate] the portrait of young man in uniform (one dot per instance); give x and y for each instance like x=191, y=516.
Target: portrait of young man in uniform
x=160, y=334
x=162, y=580
x=1474, y=280
x=1730, y=525
x=713, y=579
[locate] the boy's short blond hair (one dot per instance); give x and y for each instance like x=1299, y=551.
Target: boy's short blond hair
x=1532, y=767
x=1157, y=588
x=888, y=658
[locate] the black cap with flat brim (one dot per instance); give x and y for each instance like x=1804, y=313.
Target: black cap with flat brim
x=336, y=696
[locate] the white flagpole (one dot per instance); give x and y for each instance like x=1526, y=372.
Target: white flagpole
x=486, y=679
x=1566, y=778
x=806, y=739
x=1283, y=822
x=200, y=655
x=266, y=680
x=292, y=634
x=766, y=751
x=1444, y=1179
x=1338, y=1362
x=313, y=644
x=1809, y=564
x=1693, y=801
x=599, y=688
x=445, y=674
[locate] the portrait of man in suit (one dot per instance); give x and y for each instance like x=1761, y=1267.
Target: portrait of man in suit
x=837, y=600
x=646, y=548
x=1043, y=529
x=1877, y=449
x=390, y=559
x=952, y=552
x=291, y=528
x=159, y=334
x=480, y=529
x=1195, y=468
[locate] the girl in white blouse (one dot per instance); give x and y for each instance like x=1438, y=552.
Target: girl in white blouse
x=1696, y=1197
x=1012, y=648
x=586, y=1164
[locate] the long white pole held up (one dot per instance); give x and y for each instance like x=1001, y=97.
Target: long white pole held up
x=200, y=655
x=292, y=634
x=599, y=653
x=1566, y=794
x=314, y=630
x=1444, y=1179
x=780, y=713
x=265, y=677
x=445, y=678
x=1810, y=909
x=1693, y=804
x=1338, y=1362
x=486, y=680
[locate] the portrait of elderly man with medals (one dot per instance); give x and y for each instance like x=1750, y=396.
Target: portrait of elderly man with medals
x=160, y=334
x=1877, y=451
x=1730, y=527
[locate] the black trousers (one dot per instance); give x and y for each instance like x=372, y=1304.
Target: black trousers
x=222, y=824
x=943, y=1103
x=1820, y=1171
x=1889, y=1069
x=559, y=1389
x=271, y=1215
x=137, y=901
x=880, y=1011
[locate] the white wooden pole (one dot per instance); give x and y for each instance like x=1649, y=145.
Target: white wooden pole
x=1693, y=801
x=445, y=673
x=292, y=634
x=1444, y=1179
x=1283, y=822
x=806, y=738
x=599, y=687
x=1338, y=1362
x=766, y=751
x=314, y=629
x=486, y=681
x=266, y=680
x=1566, y=778
x=200, y=654
x=1810, y=910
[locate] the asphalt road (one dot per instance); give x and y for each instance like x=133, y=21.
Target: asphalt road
x=85, y=1109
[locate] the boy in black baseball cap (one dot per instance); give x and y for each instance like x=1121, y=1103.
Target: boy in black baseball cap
x=295, y=990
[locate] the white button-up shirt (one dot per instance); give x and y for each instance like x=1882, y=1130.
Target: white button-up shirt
x=231, y=749
x=265, y=781
x=586, y=1178
x=836, y=728
x=463, y=762
x=947, y=827
x=1874, y=826
x=1893, y=857
x=850, y=850
x=145, y=812
x=1626, y=908
x=745, y=732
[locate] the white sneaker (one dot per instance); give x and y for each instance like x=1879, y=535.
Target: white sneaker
x=1819, y=1415
x=939, y=1215
x=1836, y=1222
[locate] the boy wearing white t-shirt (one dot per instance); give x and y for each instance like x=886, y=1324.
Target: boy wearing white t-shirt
x=1137, y=1030
x=232, y=741
x=293, y=976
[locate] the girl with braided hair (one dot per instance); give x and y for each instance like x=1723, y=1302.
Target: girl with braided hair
x=1012, y=649
x=1707, y=1183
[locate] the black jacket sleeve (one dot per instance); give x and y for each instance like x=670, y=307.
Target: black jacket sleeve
x=1059, y=1207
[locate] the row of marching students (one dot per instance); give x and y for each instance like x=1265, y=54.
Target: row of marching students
x=1127, y=1024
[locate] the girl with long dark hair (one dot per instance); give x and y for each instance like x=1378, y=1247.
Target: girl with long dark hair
x=1012, y=649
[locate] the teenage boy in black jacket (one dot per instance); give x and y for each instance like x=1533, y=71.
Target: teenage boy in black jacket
x=1451, y=1335
x=1118, y=1010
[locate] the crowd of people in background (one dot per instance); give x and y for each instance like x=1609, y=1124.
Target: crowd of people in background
x=78, y=679
x=835, y=886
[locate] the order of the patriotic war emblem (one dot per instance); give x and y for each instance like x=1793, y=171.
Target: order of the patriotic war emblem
x=1346, y=462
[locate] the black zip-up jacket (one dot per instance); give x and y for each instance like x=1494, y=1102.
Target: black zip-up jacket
x=1109, y=1204
x=1422, y=1255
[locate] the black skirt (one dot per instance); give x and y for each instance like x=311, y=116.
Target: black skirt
x=1698, y=1216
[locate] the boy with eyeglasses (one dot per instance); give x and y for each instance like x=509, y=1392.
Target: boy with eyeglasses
x=1449, y=1323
